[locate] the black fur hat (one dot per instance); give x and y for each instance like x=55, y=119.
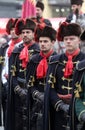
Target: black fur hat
x=72, y=29
x=68, y=29
x=39, y=4
x=25, y=24
x=45, y=31
x=11, y=24
x=77, y=2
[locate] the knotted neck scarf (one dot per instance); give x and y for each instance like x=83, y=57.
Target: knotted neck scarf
x=12, y=45
x=69, y=64
x=24, y=55
x=43, y=65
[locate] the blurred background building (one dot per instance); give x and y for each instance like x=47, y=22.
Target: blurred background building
x=10, y=8
x=53, y=8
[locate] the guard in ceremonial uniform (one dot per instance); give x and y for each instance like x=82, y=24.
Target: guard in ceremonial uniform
x=4, y=57
x=36, y=78
x=77, y=108
x=58, y=92
x=17, y=103
x=39, y=14
x=15, y=39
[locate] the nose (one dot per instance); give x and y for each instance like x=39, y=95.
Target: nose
x=42, y=43
x=68, y=40
x=25, y=34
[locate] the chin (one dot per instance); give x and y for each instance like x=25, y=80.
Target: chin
x=69, y=49
x=26, y=41
x=44, y=51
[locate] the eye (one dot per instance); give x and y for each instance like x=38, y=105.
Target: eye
x=23, y=32
x=40, y=41
x=27, y=32
x=45, y=41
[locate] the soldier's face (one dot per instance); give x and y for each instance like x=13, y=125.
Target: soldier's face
x=12, y=33
x=71, y=43
x=45, y=44
x=38, y=12
x=27, y=35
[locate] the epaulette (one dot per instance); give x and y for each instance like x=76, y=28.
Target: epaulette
x=35, y=47
x=18, y=49
x=47, y=22
x=21, y=45
x=80, y=65
x=4, y=45
x=54, y=59
x=35, y=58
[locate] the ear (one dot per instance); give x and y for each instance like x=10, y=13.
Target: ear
x=53, y=42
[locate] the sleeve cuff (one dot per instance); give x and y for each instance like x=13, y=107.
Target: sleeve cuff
x=56, y=106
x=79, y=117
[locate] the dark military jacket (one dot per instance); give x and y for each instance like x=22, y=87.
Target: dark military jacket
x=19, y=73
x=57, y=84
x=41, y=20
x=17, y=76
x=32, y=80
x=78, y=100
x=33, y=84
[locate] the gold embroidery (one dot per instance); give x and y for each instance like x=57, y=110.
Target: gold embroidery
x=76, y=93
x=51, y=80
x=69, y=80
x=13, y=70
x=31, y=81
x=78, y=89
x=42, y=83
x=64, y=62
x=78, y=86
x=66, y=87
x=2, y=59
x=22, y=70
x=31, y=53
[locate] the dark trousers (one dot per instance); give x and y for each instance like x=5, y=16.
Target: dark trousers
x=21, y=118
x=60, y=121
x=4, y=102
x=37, y=116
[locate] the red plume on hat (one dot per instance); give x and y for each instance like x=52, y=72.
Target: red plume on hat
x=11, y=24
x=19, y=25
x=38, y=31
x=60, y=31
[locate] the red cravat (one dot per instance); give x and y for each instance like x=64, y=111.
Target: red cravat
x=43, y=65
x=69, y=64
x=24, y=55
x=12, y=45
